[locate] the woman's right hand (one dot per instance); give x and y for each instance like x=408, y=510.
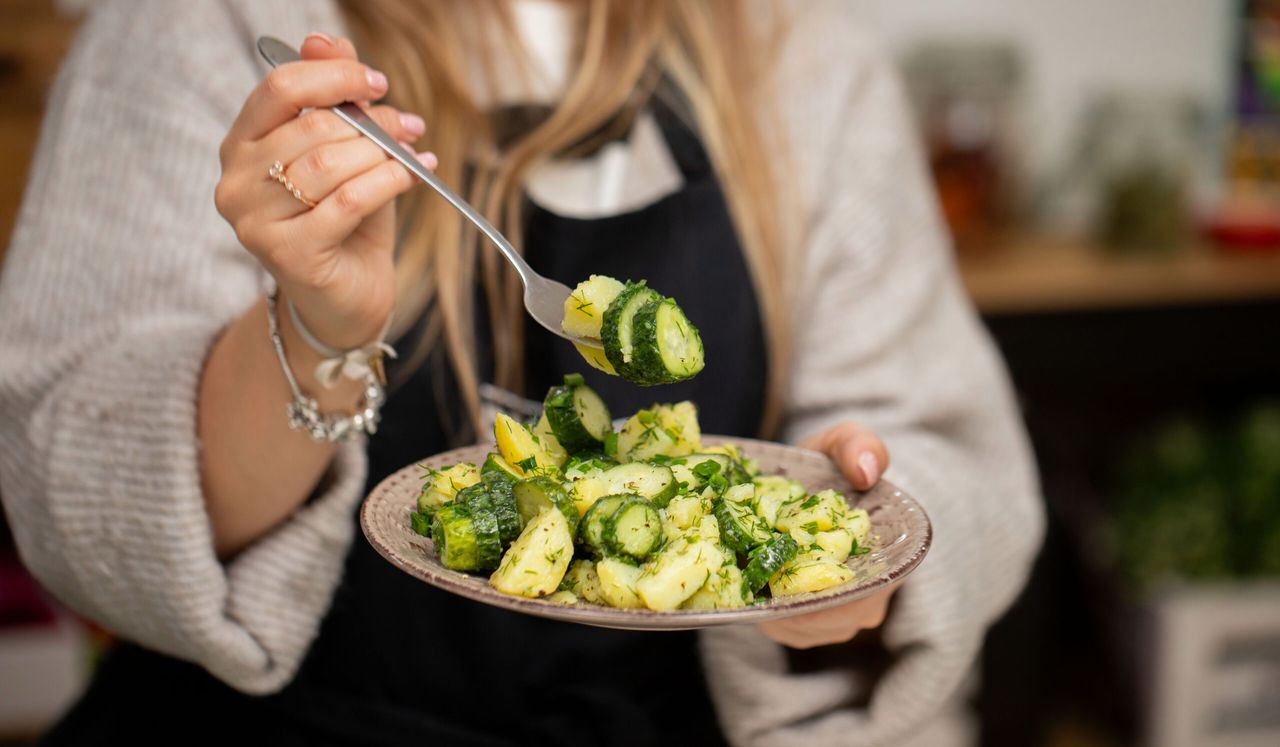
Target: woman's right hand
x=334, y=261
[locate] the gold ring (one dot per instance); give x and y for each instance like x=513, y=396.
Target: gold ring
x=276, y=172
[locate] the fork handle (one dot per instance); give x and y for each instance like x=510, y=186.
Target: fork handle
x=278, y=53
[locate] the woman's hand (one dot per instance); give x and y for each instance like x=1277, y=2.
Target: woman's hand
x=862, y=458
x=333, y=261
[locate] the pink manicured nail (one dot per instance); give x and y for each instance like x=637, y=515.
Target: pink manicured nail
x=413, y=123
x=428, y=159
x=377, y=81
x=870, y=467
x=328, y=40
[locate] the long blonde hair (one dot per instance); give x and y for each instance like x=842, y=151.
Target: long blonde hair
x=714, y=53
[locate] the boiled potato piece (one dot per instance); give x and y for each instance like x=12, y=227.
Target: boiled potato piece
x=834, y=545
x=771, y=492
x=584, y=308
x=589, y=489
x=662, y=430
x=821, y=512
x=682, y=418
x=683, y=512
x=586, y=584
x=536, y=562
x=567, y=598
x=547, y=440
x=723, y=590
x=808, y=573
x=643, y=437
x=443, y=485
x=597, y=359
x=744, y=493
x=859, y=525
x=618, y=583
x=517, y=444
x=679, y=570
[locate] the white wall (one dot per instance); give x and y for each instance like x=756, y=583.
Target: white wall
x=1075, y=48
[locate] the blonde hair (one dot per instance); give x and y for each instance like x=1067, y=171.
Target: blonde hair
x=716, y=55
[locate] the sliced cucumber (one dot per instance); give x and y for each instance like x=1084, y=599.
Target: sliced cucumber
x=578, y=417
x=420, y=522
x=616, y=331
x=665, y=346
x=497, y=499
x=591, y=529
x=766, y=560
x=740, y=529
x=580, y=466
x=651, y=481
x=634, y=529
x=497, y=468
x=466, y=538
x=537, y=494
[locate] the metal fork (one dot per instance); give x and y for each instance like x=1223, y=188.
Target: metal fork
x=543, y=298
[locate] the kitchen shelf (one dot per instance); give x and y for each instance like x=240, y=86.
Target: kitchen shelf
x=1027, y=275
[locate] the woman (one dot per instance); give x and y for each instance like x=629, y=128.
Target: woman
x=760, y=171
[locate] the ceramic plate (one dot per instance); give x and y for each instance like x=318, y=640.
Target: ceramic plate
x=900, y=530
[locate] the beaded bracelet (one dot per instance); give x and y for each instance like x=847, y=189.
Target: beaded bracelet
x=304, y=412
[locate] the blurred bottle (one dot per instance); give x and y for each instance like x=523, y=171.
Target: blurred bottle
x=966, y=98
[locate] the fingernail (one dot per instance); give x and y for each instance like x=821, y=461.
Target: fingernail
x=870, y=467
x=328, y=40
x=377, y=81
x=428, y=159
x=413, y=123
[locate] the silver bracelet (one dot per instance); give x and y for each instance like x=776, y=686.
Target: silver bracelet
x=304, y=412
x=355, y=364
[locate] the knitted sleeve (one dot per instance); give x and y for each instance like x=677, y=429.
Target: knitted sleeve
x=119, y=277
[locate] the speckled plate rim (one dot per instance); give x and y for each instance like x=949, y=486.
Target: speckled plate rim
x=413, y=554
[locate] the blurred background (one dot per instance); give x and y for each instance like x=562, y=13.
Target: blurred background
x=1111, y=175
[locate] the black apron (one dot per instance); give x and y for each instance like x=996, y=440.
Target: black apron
x=399, y=662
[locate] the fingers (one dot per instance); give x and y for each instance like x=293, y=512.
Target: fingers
x=338, y=214
x=322, y=170
x=827, y=627
x=860, y=454
x=319, y=46
x=291, y=140
x=295, y=86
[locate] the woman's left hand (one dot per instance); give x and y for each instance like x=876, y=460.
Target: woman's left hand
x=862, y=458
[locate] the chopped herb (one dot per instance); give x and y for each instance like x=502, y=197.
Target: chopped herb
x=527, y=464
x=810, y=502
x=611, y=443
x=811, y=527
x=573, y=379
x=706, y=469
